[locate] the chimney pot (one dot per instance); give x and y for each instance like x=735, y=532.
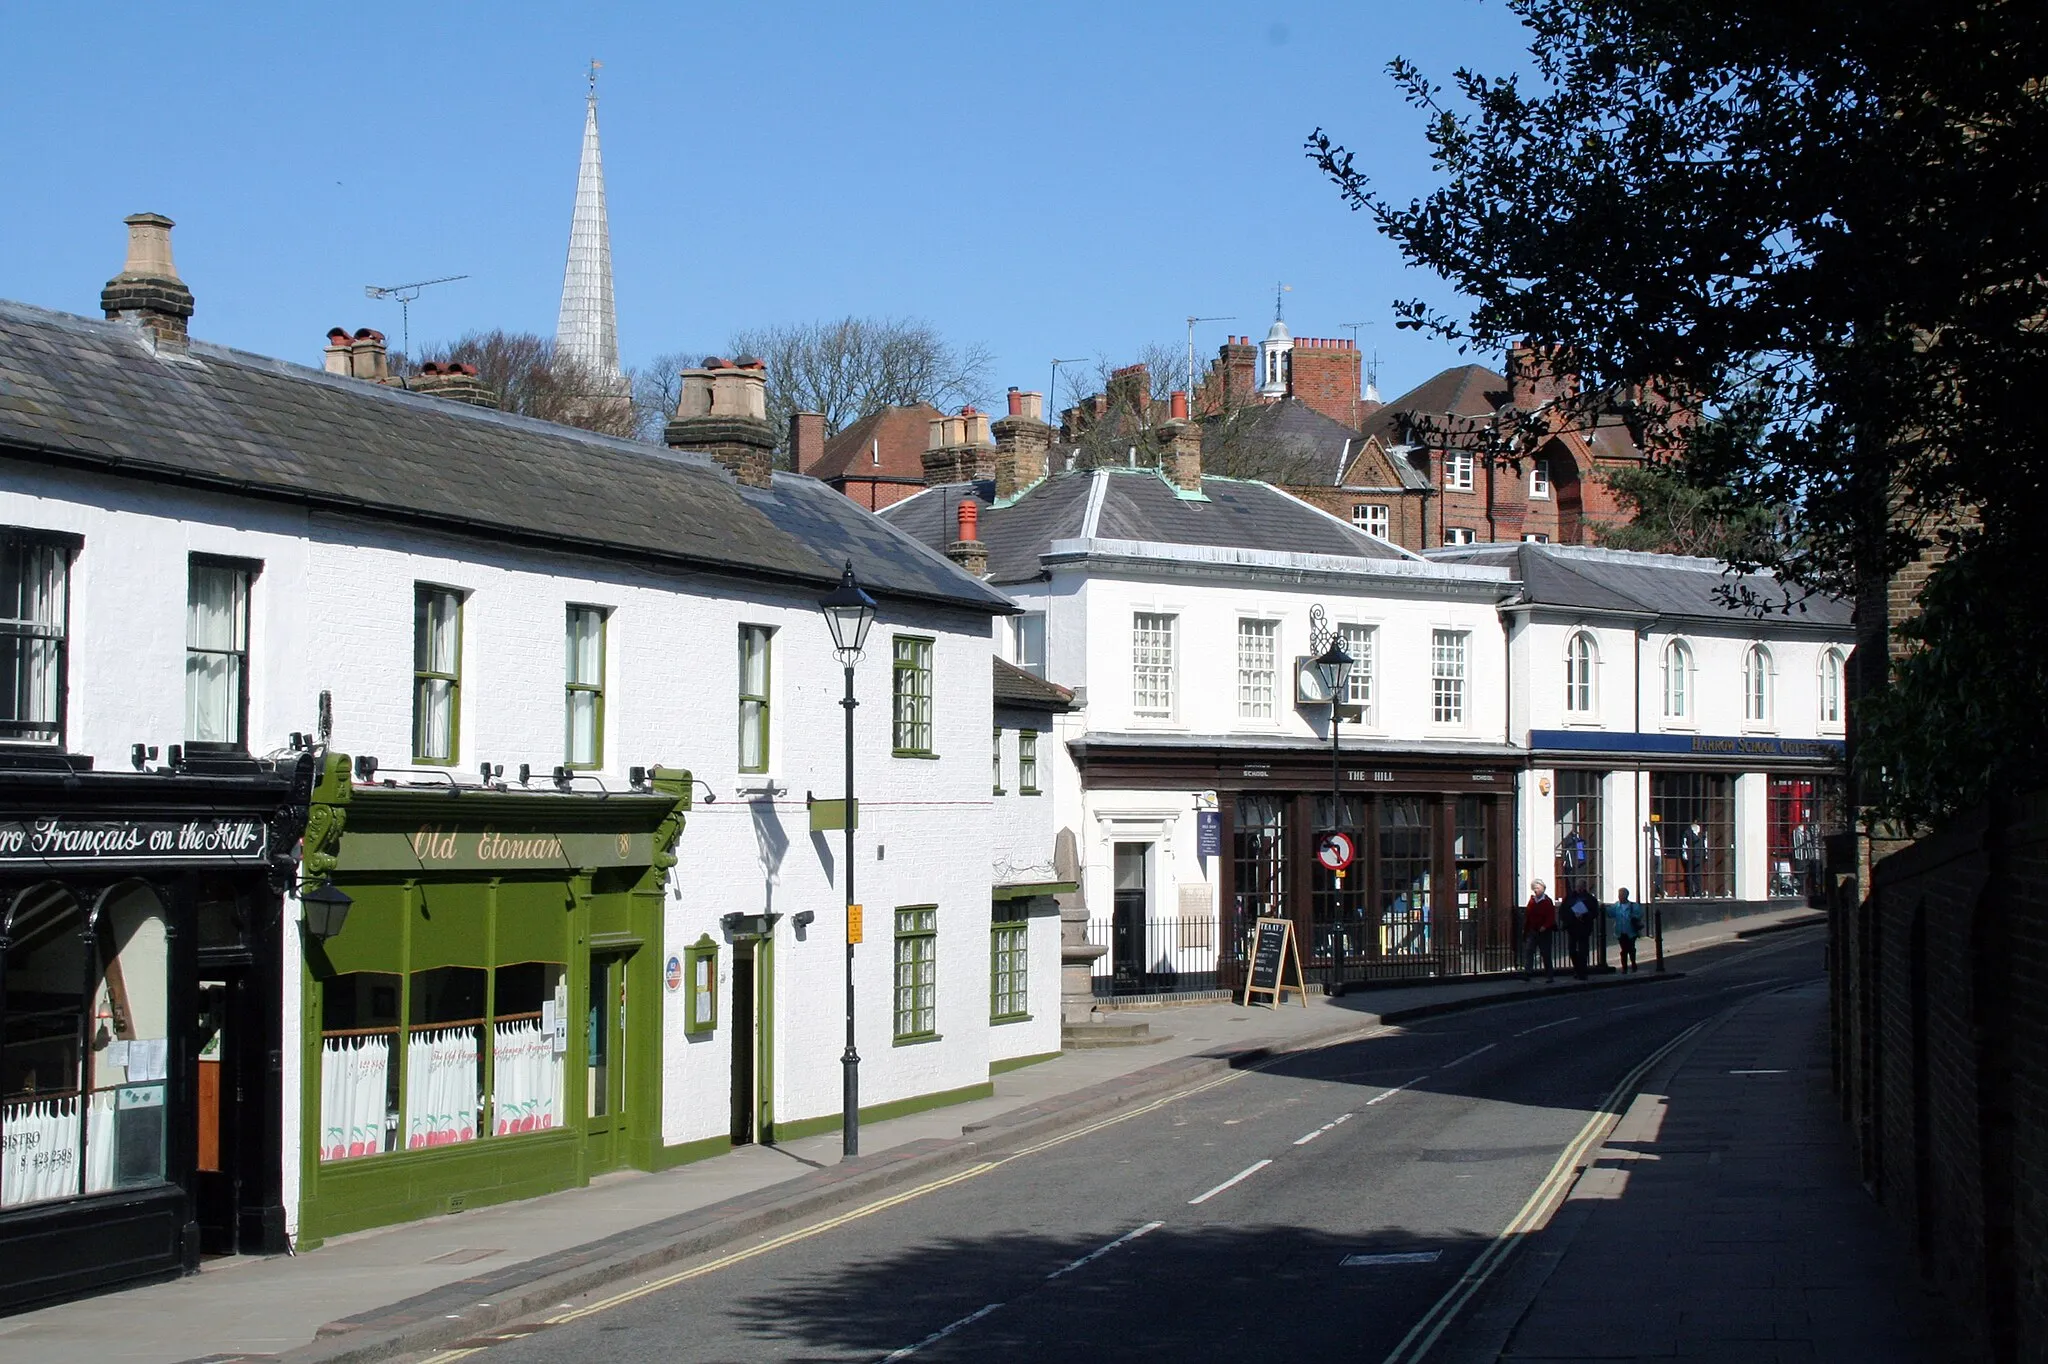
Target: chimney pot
x=968, y=551
x=1016, y=402
x=1177, y=405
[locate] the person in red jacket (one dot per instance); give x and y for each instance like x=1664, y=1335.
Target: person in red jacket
x=1539, y=922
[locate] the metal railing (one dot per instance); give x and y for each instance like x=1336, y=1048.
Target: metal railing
x=1154, y=956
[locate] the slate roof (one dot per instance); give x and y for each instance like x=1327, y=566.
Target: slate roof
x=93, y=394
x=1620, y=580
x=1463, y=391
x=1136, y=504
x=1016, y=687
x=1283, y=442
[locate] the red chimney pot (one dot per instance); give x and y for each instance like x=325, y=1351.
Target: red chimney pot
x=970, y=519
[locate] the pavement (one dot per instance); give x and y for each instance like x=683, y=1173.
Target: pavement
x=380, y=1293
x=1722, y=1219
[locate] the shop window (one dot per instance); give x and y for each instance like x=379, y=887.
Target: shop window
x=911, y=694
x=530, y=999
x=1803, y=812
x=1407, y=837
x=701, y=972
x=35, y=575
x=217, y=653
x=1447, y=676
x=1756, y=685
x=1337, y=913
x=1259, y=866
x=1027, y=762
x=1581, y=657
x=1578, y=827
x=84, y=1045
x=1360, y=642
x=917, y=932
x=1257, y=641
x=1677, y=680
x=1692, y=834
x=436, y=673
x=1469, y=844
x=755, y=643
x=359, y=1049
x=584, y=718
x=1009, y=963
x=1152, y=664
x=444, y=1056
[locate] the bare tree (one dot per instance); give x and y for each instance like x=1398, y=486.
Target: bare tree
x=855, y=366
x=532, y=379
x=657, y=388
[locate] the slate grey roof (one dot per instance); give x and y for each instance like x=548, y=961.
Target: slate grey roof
x=1028, y=691
x=1136, y=504
x=93, y=394
x=1621, y=580
x=1283, y=442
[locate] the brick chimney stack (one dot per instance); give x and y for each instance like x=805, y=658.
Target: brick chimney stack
x=723, y=411
x=968, y=551
x=806, y=440
x=958, y=449
x=456, y=382
x=1534, y=377
x=148, y=293
x=1181, y=461
x=367, y=358
x=1023, y=442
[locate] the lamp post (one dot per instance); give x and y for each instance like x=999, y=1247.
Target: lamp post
x=848, y=613
x=1333, y=670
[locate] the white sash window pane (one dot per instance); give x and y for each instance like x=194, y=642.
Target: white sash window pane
x=584, y=738
x=1152, y=664
x=32, y=583
x=216, y=653
x=437, y=672
x=1447, y=668
x=754, y=658
x=1358, y=642
x=582, y=727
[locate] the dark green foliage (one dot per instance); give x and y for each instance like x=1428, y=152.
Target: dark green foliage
x=1822, y=226
x=1673, y=515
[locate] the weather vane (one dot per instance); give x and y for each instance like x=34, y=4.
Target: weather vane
x=1280, y=292
x=595, y=67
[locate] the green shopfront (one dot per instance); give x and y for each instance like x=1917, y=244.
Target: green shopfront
x=486, y=1024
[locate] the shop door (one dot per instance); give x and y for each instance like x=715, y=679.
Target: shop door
x=604, y=1074
x=752, y=1116
x=1127, y=921
x=216, y=1188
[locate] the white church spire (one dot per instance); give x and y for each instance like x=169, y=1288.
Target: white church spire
x=587, y=329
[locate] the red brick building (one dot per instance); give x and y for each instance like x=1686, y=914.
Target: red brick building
x=878, y=461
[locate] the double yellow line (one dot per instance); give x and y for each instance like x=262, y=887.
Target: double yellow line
x=1423, y=1336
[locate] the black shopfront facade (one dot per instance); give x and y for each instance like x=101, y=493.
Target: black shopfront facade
x=1430, y=894
x=140, y=1057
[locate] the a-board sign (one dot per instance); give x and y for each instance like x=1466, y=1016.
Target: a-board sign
x=1273, y=951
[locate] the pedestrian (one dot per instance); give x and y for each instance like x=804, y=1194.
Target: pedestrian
x=1581, y=915
x=1626, y=916
x=1539, y=922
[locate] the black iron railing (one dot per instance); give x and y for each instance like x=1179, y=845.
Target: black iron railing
x=1154, y=956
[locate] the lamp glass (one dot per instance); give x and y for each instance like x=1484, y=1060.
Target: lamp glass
x=849, y=611
x=326, y=909
x=1333, y=667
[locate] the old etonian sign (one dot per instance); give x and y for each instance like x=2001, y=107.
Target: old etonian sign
x=96, y=841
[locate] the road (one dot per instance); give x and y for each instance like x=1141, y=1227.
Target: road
x=1247, y=1219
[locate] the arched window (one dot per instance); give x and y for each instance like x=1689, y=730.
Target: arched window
x=1831, y=686
x=1677, y=680
x=1580, y=656
x=1756, y=685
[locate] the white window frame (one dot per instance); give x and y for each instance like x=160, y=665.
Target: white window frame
x=1258, y=668
x=1374, y=518
x=1160, y=701
x=1460, y=535
x=1450, y=652
x=1679, y=653
x=1833, y=674
x=1759, y=674
x=1460, y=470
x=1535, y=537
x=1361, y=641
x=1539, y=477
x=1021, y=641
x=1581, y=675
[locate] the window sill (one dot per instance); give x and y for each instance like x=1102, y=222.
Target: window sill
x=997, y=1020
x=1027, y=791
x=919, y=1039
x=911, y=753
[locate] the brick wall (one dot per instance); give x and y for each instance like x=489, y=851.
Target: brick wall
x=1941, y=1034
x=1326, y=377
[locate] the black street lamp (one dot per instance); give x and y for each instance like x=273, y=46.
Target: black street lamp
x=1333, y=671
x=848, y=613
x=326, y=909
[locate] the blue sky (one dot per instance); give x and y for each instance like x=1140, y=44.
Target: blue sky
x=1056, y=179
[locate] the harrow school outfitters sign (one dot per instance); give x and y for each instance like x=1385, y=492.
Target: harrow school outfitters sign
x=93, y=842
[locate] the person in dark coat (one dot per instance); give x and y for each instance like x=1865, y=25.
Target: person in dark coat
x=1581, y=916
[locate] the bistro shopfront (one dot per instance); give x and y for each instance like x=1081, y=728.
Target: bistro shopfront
x=1431, y=888
x=139, y=1061
x=486, y=1024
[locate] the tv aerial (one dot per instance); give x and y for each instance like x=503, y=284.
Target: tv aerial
x=405, y=294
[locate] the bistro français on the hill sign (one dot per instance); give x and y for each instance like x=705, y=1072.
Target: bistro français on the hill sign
x=94, y=841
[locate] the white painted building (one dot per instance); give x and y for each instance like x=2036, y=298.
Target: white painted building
x=1680, y=745
x=551, y=645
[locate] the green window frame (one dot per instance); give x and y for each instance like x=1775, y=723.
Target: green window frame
x=997, y=754
x=1009, y=997
x=700, y=987
x=436, y=675
x=583, y=684
x=1027, y=762
x=757, y=644
x=917, y=989
x=911, y=692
